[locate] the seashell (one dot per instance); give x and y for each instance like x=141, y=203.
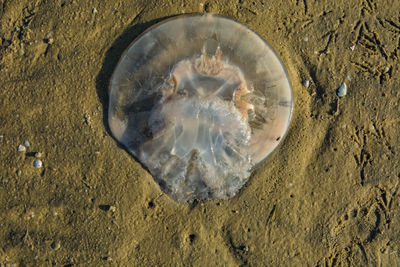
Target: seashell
x=200, y=100
x=38, y=163
x=21, y=148
x=342, y=90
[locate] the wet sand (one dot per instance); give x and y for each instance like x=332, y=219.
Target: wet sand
x=328, y=196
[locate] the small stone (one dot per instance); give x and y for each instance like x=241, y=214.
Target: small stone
x=352, y=47
x=342, y=90
x=113, y=208
x=37, y=163
x=306, y=83
x=19, y=172
x=38, y=154
x=26, y=143
x=94, y=10
x=386, y=69
x=306, y=39
x=56, y=245
x=21, y=148
x=54, y=213
x=348, y=77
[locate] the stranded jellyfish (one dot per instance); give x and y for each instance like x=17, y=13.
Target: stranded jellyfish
x=200, y=100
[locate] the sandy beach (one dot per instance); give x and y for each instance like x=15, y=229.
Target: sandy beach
x=70, y=195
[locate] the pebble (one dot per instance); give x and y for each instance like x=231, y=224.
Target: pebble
x=306, y=83
x=306, y=39
x=352, y=47
x=342, y=90
x=386, y=69
x=94, y=10
x=348, y=77
x=38, y=154
x=21, y=148
x=38, y=163
x=56, y=245
x=26, y=143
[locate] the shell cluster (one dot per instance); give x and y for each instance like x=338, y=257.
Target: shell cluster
x=200, y=100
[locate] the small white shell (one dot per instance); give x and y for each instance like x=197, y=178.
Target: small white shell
x=342, y=90
x=37, y=163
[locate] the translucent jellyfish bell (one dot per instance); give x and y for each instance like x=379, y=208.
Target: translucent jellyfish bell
x=200, y=100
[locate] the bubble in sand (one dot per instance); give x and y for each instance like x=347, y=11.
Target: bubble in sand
x=200, y=100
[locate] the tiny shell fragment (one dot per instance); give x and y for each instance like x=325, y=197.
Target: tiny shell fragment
x=342, y=90
x=38, y=163
x=21, y=148
x=306, y=83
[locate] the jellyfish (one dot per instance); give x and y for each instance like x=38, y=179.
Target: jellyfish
x=200, y=100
